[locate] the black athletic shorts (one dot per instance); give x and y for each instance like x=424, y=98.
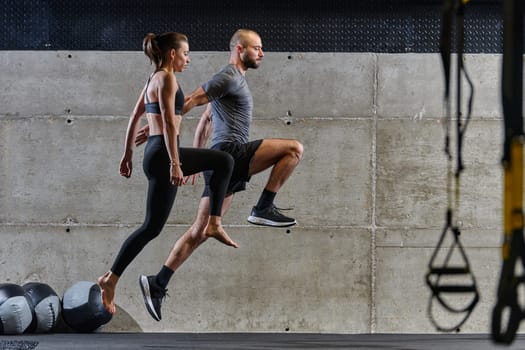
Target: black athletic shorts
x=242, y=154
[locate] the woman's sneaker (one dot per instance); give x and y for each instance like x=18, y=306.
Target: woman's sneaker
x=270, y=216
x=153, y=295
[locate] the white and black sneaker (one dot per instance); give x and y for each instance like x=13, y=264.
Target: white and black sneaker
x=153, y=295
x=270, y=217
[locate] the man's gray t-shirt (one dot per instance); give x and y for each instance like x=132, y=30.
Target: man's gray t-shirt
x=231, y=105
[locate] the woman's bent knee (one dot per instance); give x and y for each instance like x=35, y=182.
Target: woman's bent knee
x=227, y=160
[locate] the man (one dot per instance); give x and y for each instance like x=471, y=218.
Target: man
x=228, y=117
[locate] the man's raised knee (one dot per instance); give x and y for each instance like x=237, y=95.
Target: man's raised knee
x=297, y=149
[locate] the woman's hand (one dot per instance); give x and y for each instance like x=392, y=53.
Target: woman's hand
x=126, y=166
x=176, y=175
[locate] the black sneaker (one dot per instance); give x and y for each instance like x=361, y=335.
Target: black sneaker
x=270, y=217
x=153, y=295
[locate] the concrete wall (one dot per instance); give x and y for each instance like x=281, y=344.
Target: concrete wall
x=369, y=195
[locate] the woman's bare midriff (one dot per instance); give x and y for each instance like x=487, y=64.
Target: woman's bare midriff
x=155, y=124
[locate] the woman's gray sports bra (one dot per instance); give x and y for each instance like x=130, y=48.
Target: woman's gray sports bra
x=154, y=107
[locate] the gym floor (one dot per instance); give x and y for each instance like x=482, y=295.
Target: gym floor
x=234, y=341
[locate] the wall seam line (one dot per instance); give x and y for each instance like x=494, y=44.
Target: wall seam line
x=373, y=227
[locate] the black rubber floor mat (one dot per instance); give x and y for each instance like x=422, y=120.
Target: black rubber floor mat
x=18, y=345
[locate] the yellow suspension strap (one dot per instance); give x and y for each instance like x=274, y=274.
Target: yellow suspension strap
x=444, y=265
x=508, y=313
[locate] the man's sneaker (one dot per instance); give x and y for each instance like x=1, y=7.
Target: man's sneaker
x=153, y=295
x=270, y=217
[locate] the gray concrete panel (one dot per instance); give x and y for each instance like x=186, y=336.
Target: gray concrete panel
x=77, y=83
x=402, y=294
x=307, y=280
x=485, y=72
x=412, y=168
x=66, y=168
x=409, y=85
x=413, y=85
x=332, y=184
x=313, y=85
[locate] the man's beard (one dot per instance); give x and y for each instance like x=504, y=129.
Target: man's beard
x=250, y=63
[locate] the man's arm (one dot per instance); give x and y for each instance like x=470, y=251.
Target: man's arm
x=196, y=98
x=204, y=128
x=202, y=133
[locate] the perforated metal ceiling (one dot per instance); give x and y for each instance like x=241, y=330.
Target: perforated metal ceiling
x=391, y=26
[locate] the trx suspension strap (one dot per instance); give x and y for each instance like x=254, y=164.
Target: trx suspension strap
x=443, y=266
x=507, y=313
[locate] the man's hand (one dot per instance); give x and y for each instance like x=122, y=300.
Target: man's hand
x=142, y=135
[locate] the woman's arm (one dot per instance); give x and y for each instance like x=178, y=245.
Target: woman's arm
x=171, y=124
x=133, y=123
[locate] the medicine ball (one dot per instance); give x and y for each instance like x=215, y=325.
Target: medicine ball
x=82, y=308
x=46, y=304
x=16, y=312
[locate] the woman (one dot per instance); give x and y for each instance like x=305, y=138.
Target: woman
x=165, y=163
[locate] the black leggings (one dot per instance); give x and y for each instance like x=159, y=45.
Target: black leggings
x=161, y=193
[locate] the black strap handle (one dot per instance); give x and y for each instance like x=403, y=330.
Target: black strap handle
x=506, y=305
x=441, y=290
x=507, y=298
